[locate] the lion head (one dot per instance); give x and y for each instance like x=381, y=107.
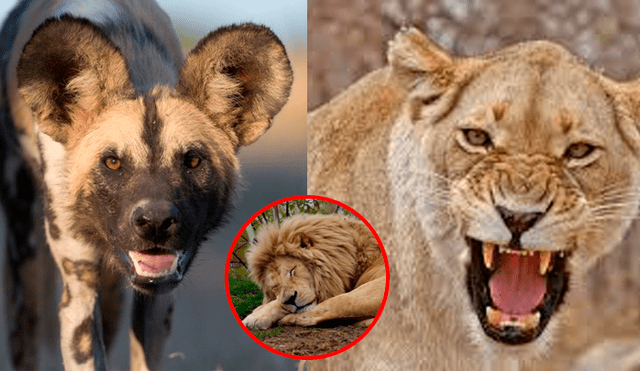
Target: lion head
x=310, y=258
x=521, y=169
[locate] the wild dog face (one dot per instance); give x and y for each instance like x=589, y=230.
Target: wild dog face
x=147, y=173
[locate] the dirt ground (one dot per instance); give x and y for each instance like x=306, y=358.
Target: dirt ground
x=310, y=341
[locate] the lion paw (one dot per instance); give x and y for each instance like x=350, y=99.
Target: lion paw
x=298, y=320
x=255, y=320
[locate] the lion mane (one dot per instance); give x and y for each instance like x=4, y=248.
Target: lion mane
x=336, y=250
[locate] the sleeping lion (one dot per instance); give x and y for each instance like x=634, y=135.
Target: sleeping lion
x=315, y=268
x=506, y=191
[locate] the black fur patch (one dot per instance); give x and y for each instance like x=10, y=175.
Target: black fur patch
x=152, y=127
x=82, y=342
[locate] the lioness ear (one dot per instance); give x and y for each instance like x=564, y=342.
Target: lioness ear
x=626, y=98
x=412, y=52
x=240, y=76
x=69, y=66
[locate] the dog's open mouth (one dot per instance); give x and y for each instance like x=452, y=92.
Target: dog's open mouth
x=154, y=263
x=156, y=270
x=515, y=291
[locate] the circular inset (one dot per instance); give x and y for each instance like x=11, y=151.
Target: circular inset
x=305, y=275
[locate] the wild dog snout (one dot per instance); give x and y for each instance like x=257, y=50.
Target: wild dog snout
x=156, y=221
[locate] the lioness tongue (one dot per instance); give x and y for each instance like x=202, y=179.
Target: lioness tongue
x=517, y=286
x=152, y=263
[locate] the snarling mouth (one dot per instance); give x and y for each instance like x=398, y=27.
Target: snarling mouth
x=155, y=270
x=514, y=291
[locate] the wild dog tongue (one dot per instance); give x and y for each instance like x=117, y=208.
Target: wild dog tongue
x=152, y=263
x=517, y=286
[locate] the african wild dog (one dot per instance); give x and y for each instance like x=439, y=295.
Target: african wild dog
x=128, y=152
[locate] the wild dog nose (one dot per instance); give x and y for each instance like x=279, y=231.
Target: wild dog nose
x=292, y=299
x=155, y=221
x=518, y=222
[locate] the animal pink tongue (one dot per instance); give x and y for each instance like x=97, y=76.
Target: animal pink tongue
x=517, y=287
x=154, y=263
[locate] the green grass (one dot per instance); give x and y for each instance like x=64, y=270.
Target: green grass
x=267, y=333
x=245, y=294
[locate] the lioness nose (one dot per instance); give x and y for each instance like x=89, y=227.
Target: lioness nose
x=518, y=222
x=155, y=221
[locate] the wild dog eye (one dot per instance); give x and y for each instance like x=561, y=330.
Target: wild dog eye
x=578, y=151
x=192, y=160
x=477, y=137
x=112, y=163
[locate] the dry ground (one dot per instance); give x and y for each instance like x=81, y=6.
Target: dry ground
x=310, y=341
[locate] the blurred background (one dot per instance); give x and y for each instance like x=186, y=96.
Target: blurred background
x=348, y=38
x=205, y=335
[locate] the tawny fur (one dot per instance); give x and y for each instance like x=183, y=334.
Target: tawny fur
x=389, y=146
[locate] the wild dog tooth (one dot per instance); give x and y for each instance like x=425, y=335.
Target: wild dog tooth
x=487, y=254
x=545, y=260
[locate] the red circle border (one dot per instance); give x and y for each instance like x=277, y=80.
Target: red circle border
x=305, y=197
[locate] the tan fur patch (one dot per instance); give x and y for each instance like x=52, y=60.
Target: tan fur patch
x=185, y=125
x=120, y=128
x=65, y=298
x=84, y=270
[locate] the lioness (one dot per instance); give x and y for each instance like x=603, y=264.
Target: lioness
x=120, y=155
x=315, y=268
x=506, y=191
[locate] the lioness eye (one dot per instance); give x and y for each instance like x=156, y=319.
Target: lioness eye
x=112, y=163
x=578, y=151
x=291, y=272
x=477, y=137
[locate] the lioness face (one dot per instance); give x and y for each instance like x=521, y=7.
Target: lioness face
x=289, y=281
x=531, y=175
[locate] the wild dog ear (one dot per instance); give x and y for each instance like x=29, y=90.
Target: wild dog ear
x=240, y=76
x=69, y=67
x=412, y=52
